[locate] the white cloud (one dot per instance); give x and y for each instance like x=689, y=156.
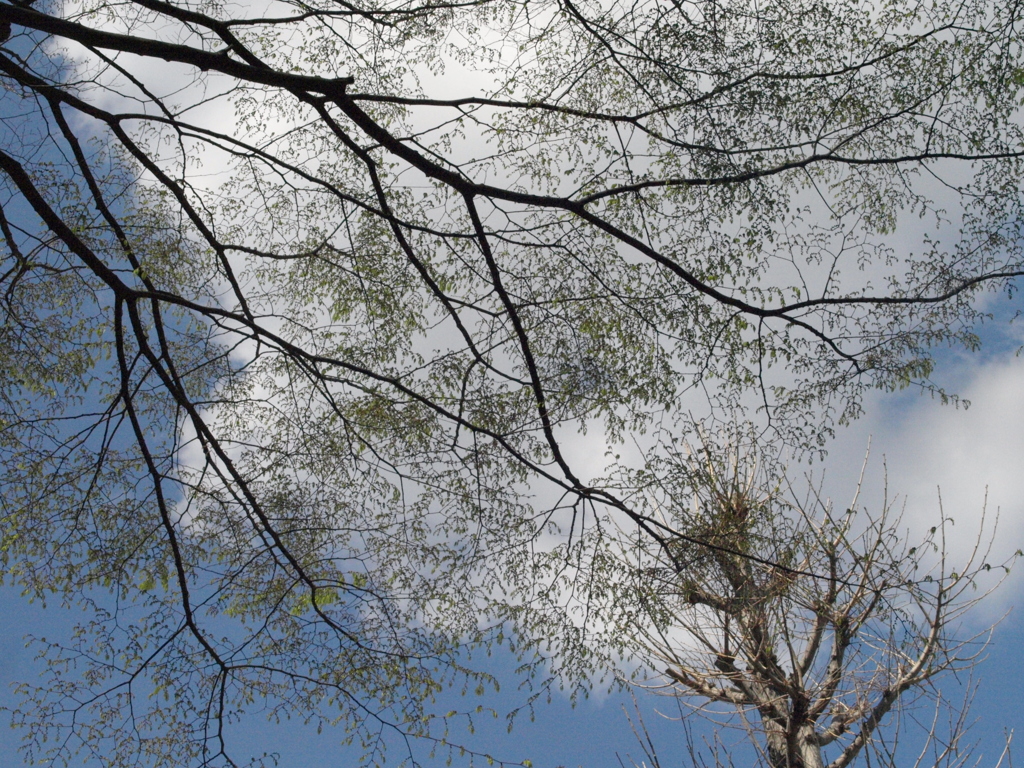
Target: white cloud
x=966, y=454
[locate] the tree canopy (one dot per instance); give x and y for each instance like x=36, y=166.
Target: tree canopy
x=314, y=313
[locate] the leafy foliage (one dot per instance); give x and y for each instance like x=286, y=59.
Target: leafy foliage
x=307, y=307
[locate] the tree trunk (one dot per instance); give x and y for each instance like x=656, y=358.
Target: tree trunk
x=792, y=750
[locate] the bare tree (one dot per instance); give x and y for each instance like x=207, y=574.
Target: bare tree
x=822, y=630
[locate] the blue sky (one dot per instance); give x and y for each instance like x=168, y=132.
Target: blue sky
x=966, y=454
x=593, y=734
x=925, y=447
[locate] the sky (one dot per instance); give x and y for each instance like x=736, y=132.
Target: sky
x=970, y=457
x=965, y=454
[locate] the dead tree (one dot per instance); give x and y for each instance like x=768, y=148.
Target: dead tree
x=815, y=626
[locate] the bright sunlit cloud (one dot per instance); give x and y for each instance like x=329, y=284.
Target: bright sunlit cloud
x=964, y=454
